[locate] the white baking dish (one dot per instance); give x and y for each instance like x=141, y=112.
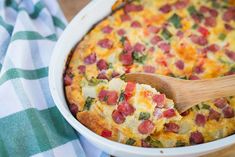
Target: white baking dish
x=80, y=25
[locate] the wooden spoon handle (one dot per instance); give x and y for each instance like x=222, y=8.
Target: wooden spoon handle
x=203, y=90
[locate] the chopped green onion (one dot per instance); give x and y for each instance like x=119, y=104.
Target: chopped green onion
x=138, y=57
x=180, y=144
x=130, y=141
x=88, y=103
x=223, y=61
x=225, y=1
x=222, y=36
x=197, y=107
x=225, y=5
x=144, y=116
x=122, y=40
x=205, y=106
x=166, y=34
x=232, y=69
x=175, y=20
x=215, y=5
x=94, y=81
x=183, y=78
x=123, y=77
x=192, y=10
x=195, y=26
x=172, y=75
x=110, y=65
x=153, y=142
x=121, y=97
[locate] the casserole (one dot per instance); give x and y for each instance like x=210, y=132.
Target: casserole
x=87, y=19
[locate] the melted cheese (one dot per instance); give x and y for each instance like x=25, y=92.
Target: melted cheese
x=214, y=64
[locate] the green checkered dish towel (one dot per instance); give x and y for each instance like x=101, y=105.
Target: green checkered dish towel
x=30, y=124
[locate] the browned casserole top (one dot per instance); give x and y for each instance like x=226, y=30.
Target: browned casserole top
x=187, y=39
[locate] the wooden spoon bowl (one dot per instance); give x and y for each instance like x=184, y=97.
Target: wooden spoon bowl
x=187, y=93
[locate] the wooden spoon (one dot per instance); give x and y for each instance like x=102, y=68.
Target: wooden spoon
x=187, y=93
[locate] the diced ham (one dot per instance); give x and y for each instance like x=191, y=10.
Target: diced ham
x=169, y=113
x=126, y=58
x=160, y=100
x=151, y=49
x=180, y=34
x=82, y=69
x=107, y=29
x=228, y=27
x=106, y=133
x=112, y=97
x=153, y=29
x=165, y=8
x=198, y=69
x=138, y=47
x=213, y=48
x=129, y=8
x=229, y=14
x=155, y=40
x=185, y=113
x=105, y=43
x=194, y=77
x=118, y=117
x=179, y=64
x=180, y=4
x=127, y=47
x=165, y=25
x=196, y=138
x=204, y=9
x=145, y=144
x=220, y=102
x=73, y=109
x=103, y=95
x=230, y=54
x=139, y=8
x=133, y=8
x=210, y=21
x=125, y=108
x=115, y=74
x=125, y=17
x=121, y=32
x=214, y=115
x=90, y=59
x=171, y=127
x=102, y=64
x=130, y=87
x=197, y=19
x=67, y=80
x=164, y=46
x=102, y=76
x=169, y=55
x=149, y=69
x=200, y=40
x=213, y=12
x=200, y=120
x=230, y=73
x=228, y=112
x=127, y=69
x=203, y=31
x=146, y=127
x=136, y=24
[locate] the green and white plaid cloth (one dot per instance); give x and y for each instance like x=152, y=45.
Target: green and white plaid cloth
x=30, y=124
